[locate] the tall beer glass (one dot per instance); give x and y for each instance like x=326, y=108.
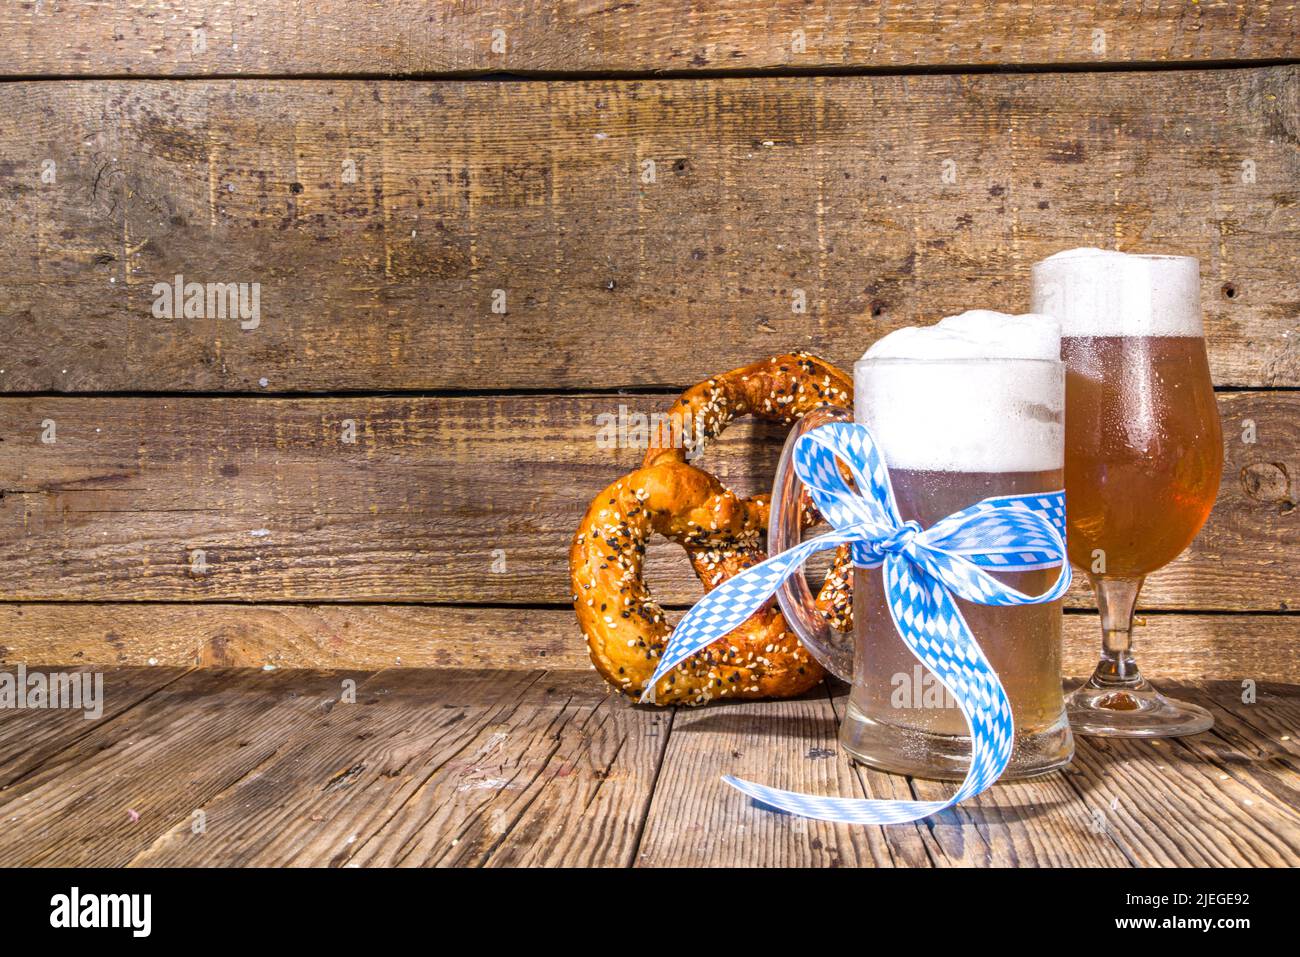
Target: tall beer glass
x=967, y=409
x=1143, y=455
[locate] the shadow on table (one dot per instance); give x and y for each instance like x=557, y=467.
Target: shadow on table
x=771, y=728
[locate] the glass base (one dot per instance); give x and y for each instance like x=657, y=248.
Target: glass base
x=1137, y=711
x=946, y=757
x=1117, y=702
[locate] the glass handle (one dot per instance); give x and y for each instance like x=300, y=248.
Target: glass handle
x=834, y=649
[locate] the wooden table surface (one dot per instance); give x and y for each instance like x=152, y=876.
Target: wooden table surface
x=489, y=768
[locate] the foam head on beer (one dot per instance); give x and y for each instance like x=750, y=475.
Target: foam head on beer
x=979, y=392
x=1101, y=292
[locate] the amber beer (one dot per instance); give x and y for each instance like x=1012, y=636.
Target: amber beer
x=1143, y=454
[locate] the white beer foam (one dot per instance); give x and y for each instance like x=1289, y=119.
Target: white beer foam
x=975, y=334
x=979, y=392
x=1101, y=292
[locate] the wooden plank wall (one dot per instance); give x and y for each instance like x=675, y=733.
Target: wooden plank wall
x=290, y=38
x=382, y=468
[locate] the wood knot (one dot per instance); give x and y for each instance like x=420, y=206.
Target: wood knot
x=229, y=651
x=1268, y=482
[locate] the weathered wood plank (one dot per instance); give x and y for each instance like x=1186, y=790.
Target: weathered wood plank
x=1260, y=719
x=115, y=790
x=1262, y=723
x=590, y=809
x=380, y=220
x=1039, y=822
x=1170, y=646
x=28, y=738
x=698, y=821
x=335, y=784
x=1227, y=798
x=451, y=500
x=295, y=636
x=201, y=37
x=562, y=777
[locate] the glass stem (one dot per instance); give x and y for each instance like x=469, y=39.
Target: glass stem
x=1116, y=600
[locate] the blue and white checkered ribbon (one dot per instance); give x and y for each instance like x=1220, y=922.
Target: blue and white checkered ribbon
x=923, y=569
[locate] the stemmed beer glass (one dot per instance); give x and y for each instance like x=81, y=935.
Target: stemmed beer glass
x=1143, y=455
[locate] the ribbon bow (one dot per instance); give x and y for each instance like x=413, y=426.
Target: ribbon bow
x=922, y=570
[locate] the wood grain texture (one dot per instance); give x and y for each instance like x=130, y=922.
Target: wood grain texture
x=1039, y=822
x=199, y=37
x=563, y=778
x=1220, y=799
x=1239, y=647
x=113, y=791
x=29, y=738
x=324, y=793
x=452, y=500
x=453, y=768
x=302, y=636
x=472, y=767
x=697, y=821
x=1260, y=719
x=830, y=192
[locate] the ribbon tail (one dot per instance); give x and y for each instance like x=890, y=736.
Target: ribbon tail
x=839, y=810
x=728, y=605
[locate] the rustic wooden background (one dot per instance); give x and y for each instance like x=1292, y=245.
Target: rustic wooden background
x=381, y=169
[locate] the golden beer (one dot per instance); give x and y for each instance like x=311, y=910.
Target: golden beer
x=1143, y=450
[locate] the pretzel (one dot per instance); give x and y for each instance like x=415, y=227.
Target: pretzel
x=721, y=532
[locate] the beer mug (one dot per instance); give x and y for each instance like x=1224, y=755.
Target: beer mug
x=967, y=409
